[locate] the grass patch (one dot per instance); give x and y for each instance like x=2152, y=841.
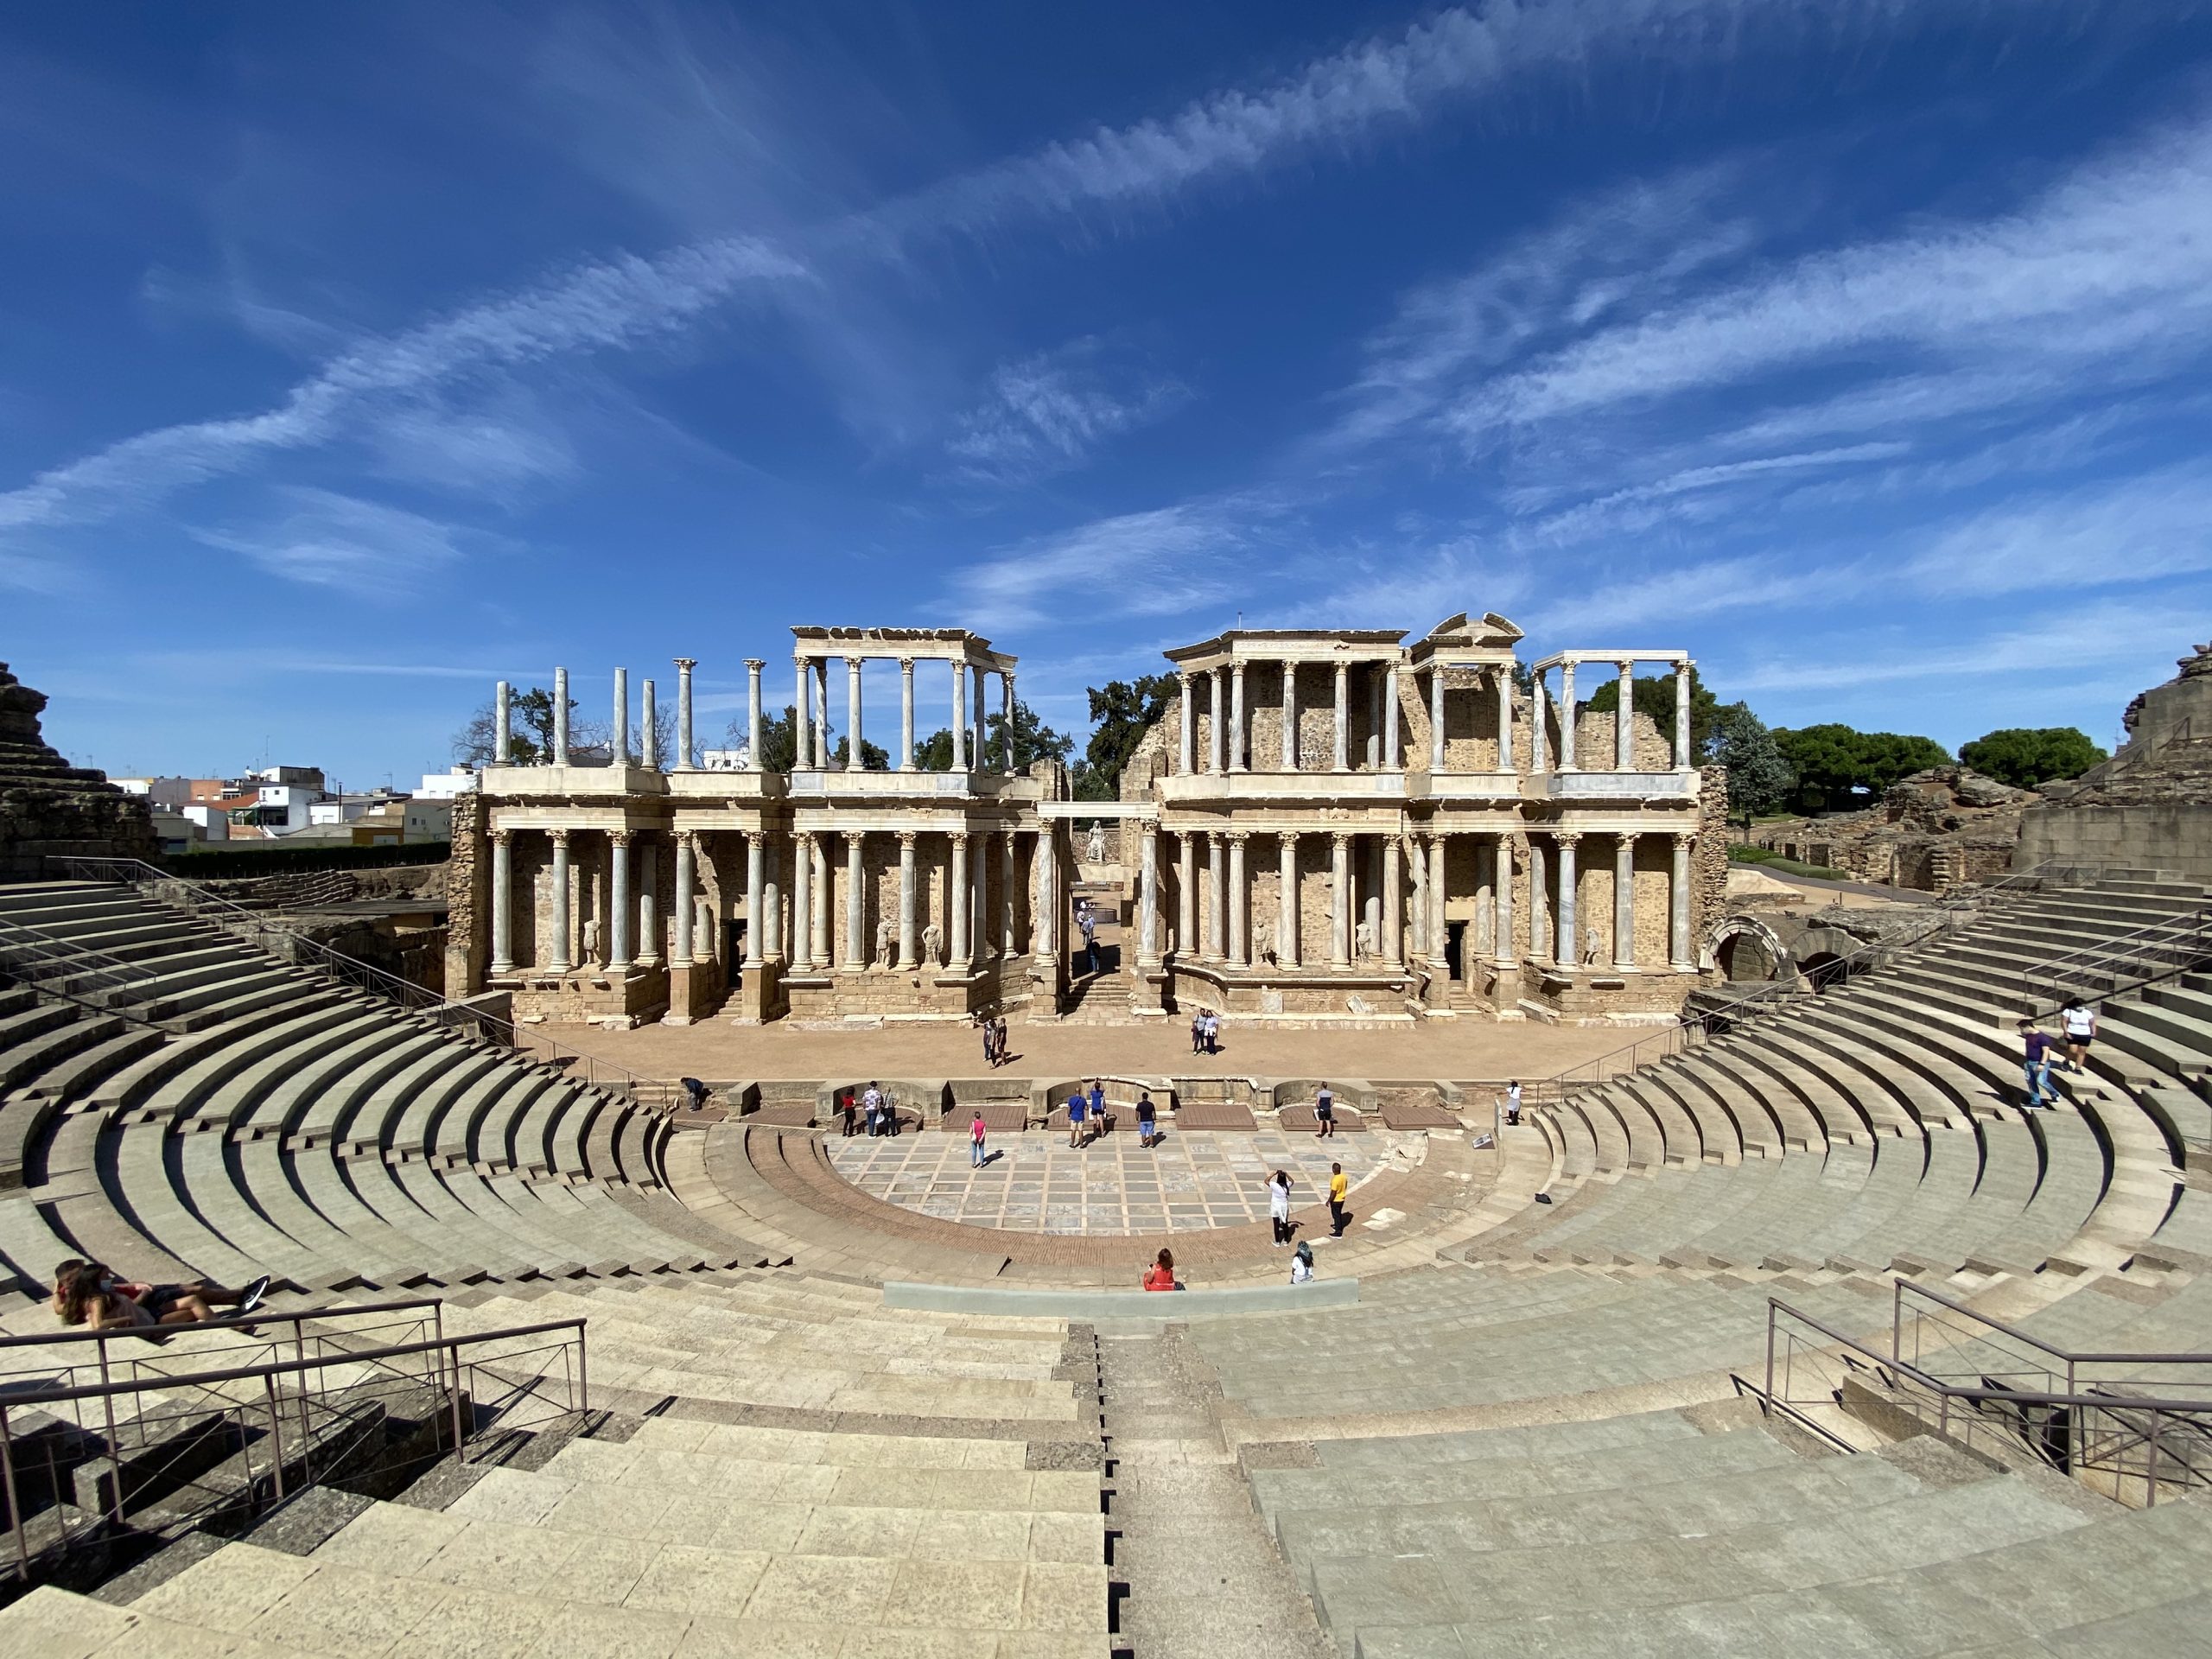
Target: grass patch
x=1767, y=858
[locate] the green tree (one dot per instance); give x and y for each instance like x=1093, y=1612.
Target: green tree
x=934, y=753
x=531, y=722
x=2024, y=756
x=780, y=744
x=1033, y=740
x=1655, y=700
x=1122, y=711
x=1838, y=767
x=1759, y=777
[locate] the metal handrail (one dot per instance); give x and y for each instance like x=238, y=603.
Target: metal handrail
x=2185, y=940
x=533, y=1045
x=264, y=1316
x=68, y=957
x=1904, y=1286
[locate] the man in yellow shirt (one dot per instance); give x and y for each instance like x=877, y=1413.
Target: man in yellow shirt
x=1338, y=1186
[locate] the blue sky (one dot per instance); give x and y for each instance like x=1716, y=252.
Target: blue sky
x=353, y=357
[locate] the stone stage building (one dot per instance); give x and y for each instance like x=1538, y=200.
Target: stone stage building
x=1329, y=827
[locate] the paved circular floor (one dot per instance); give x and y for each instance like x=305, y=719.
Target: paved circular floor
x=1036, y=1183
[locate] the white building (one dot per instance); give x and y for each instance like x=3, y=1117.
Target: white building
x=445, y=786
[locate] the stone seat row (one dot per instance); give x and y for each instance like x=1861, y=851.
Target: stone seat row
x=1651, y=1534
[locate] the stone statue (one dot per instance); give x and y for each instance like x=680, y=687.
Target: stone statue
x=932, y=939
x=1095, y=851
x=1363, y=939
x=887, y=945
x=591, y=944
x=1263, y=941
x=1592, y=944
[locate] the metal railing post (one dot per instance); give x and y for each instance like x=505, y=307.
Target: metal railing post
x=1767, y=1404
x=2151, y=1473
x=275, y=1432
x=14, y=1507
x=1897, y=1322
x=460, y=1455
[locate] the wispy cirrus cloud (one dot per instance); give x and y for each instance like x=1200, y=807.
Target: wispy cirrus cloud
x=365, y=550
x=1155, y=564
x=1050, y=412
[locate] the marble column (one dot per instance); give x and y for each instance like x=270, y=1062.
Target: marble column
x=558, y=959
x=1342, y=754
x=1393, y=899
x=960, y=716
x=1187, y=751
x=686, y=900
x=752, y=712
x=1148, y=899
x=502, y=724
x=1187, y=899
x=853, y=722
x=908, y=897
x=758, y=921
x=1286, y=902
x=818, y=853
x=649, y=732
x=1678, y=908
x=958, y=904
x=1005, y=724
x=1438, y=894
x=856, y=901
x=906, y=760
x=1009, y=893
x=1502, y=678
x=1375, y=675
x=686, y=756
x=1682, y=716
x=1393, y=761
x=1624, y=721
x=1237, y=719
x=648, y=900
x=1435, y=716
x=620, y=747
x=1216, y=899
x=503, y=901
x=1045, y=931
x=1217, y=743
x=1239, y=954
x=1479, y=936
x=1565, y=952
x=802, y=903
x=1340, y=886
x=1417, y=900
x=822, y=715
x=1290, y=716
x=1508, y=848
x=619, y=915
x=802, y=719
x=1539, y=706
x=1540, y=940
x=560, y=717
x=980, y=749
x=1569, y=756
x=1625, y=904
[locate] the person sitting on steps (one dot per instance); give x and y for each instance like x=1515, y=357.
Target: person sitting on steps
x=1160, y=1276
x=88, y=1294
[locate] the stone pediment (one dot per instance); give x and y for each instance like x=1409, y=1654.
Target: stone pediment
x=1492, y=633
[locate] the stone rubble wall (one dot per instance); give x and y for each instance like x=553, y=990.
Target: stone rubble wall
x=51, y=809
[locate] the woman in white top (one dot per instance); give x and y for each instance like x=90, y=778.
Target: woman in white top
x=2079, y=1026
x=1279, y=1205
x=1301, y=1264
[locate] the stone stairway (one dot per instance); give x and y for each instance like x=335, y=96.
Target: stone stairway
x=1101, y=999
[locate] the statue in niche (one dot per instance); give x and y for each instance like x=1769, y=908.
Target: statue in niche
x=886, y=945
x=1593, y=946
x=1095, y=852
x=932, y=943
x=1263, y=941
x=591, y=944
x=1363, y=939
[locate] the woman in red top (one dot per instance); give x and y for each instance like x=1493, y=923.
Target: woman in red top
x=1160, y=1276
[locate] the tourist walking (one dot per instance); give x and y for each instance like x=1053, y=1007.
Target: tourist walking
x=1339, y=1188
x=1301, y=1264
x=990, y=1039
x=2036, y=1063
x=1147, y=1113
x=1513, y=1101
x=976, y=1158
x=2080, y=1026
x=1075, y=1106
x=1160, y=1276
x=1089, y=923
x=872, y=1108
x=998, y=1044
x=1324, y=1113
x=1279, y=1205
x=1097, y=1118
x=848, y=1109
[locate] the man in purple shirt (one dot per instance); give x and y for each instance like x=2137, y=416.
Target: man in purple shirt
x=2038, y=1065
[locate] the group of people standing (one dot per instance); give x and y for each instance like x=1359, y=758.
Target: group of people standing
x=1206, y=1031
x=871, y=1106
x=993, y=1026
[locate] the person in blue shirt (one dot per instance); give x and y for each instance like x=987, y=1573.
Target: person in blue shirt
x=1076, y=1103
x=1097, y=1108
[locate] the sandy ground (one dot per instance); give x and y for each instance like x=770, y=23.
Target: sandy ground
x=1460, y=1049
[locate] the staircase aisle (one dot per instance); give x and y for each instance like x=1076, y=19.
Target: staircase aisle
x=1204, y=1577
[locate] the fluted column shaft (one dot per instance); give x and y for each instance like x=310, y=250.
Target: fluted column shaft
x=1237, y=719
x=1217, y=737
x=1290, y=716
x=905, y=762
x=752, y=712
x=1008, y=894
x=1436, y=717
x=1217, y=899
x=1682, y=717
x=503, y=901
x=502, y=724
x=757, y=919
x=822, y=715
x=619, y=918
x=1569, y=758
x=818, y=852
x=1340, y=894
x=1624, y=904
x=1286, y=922
x=1393, y=760
x=648, y=900
x=1044, y=941
x=856, y=901
x=956, y=901
x=960, y=716
x=1149, y=898
x=1438, y=851
x=1539, y=706
x=853, y=722
x=1678, y=909
x=686, y=901
x=560, y=717
x=802, y=903
x=1539, y=942
x=1501, y=931
x=908, y=897
x=1502, y=678
x=649, y=729
x=1239, y=954
x=558, y=958
x=802, y=719
x=1564, y=953
x=1187, y=899
x=686, y=756
x=1624, y=721
x=1005, y=724
x=1393, y=936
x=621, y=745
x=1342, y=761
x=1187, y=748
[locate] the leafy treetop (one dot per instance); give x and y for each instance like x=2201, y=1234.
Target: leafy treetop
x=2024, y=756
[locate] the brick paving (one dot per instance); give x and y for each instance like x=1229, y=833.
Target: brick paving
x=1036, y=1183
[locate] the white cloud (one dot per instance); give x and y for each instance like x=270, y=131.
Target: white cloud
x=362, y=548
x=1155, y=564
x=1047, y=413
x=2144, y=530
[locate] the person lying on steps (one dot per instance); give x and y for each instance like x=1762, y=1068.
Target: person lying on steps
x=87, y=1294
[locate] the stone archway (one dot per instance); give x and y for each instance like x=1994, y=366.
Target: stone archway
x=1742, y=949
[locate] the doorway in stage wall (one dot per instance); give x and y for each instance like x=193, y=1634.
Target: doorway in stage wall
x=1455, y=940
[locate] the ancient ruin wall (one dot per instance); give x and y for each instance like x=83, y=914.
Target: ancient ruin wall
x=49, y=808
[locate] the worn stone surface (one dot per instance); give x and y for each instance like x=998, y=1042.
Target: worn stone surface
x=1935, y=829
x=49, y=808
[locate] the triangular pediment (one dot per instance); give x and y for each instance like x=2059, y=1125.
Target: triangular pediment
x=1493, y=631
